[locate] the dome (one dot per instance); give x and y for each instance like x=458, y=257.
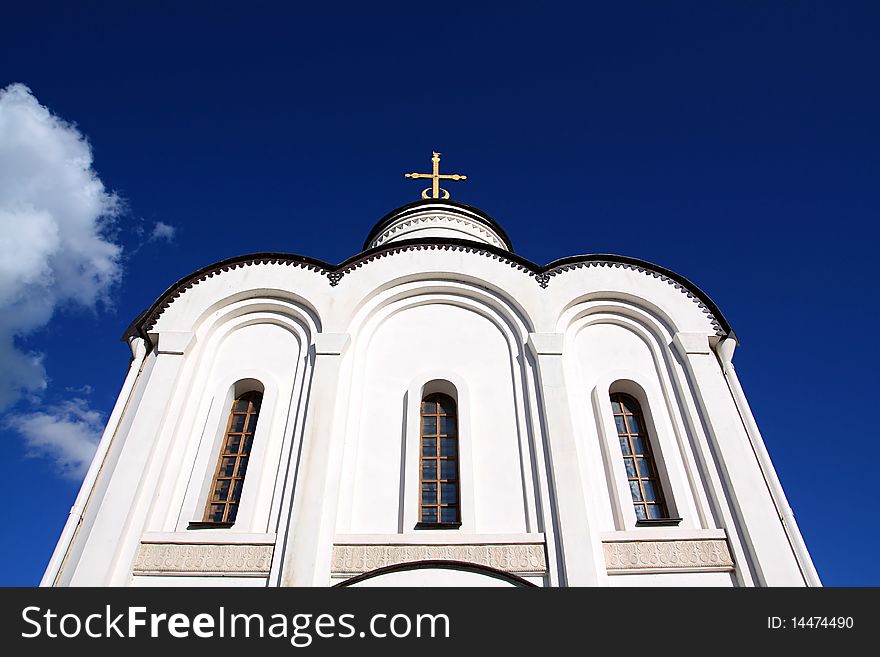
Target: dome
x=438, y=218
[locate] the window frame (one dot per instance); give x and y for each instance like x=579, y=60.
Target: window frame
x=248, y=430
x=668, y=457
x=422, y=384
x=437, y=456
x=199, y=487
x=632, y=408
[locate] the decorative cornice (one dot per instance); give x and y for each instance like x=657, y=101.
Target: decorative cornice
x=542, y=275
x=433, y=244
x=678, y=556
x=335, y=273
x=519, y=558
x=555, y=271
x=395, y=228
x=203, y=559
x=433, y=205
x=147, y=320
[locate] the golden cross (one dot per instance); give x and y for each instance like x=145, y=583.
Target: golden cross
x=435, y=190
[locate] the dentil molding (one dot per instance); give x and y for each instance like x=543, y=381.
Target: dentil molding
x=439, y=220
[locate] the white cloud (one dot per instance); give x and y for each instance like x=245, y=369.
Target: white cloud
x=81, y=390
x=55, y=214
x=163, y=231
x=55, y=251
x=67, y=434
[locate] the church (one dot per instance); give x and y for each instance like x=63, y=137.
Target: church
x=434, y=411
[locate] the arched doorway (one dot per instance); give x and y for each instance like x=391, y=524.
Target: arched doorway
x=437, y=573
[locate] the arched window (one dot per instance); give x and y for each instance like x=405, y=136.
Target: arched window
x=641, y=470
x=438, y=463
x=222, y=506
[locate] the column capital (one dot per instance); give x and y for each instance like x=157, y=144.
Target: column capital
x=174, y=342
x=546, y=344
x=331, y=344
x=692, y=343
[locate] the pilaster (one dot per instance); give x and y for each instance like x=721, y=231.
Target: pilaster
x=119, y=521
x=761, y=526
x=580, y=553
x=309, y=548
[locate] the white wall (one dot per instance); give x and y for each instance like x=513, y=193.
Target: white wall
x=611, y=357
x=250, y=348
x=421, y=343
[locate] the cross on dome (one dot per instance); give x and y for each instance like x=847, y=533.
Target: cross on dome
x=435, y=190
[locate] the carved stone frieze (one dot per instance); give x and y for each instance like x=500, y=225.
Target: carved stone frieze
x=622, y=556
x=202, y=558
x=512, y=557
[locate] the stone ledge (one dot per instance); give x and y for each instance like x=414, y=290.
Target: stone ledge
x=212, y=536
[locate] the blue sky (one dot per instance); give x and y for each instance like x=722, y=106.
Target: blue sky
x=735, y=143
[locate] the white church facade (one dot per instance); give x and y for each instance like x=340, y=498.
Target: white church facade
x=436, y=410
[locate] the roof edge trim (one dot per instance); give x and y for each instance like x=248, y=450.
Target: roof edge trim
x=147, y=319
